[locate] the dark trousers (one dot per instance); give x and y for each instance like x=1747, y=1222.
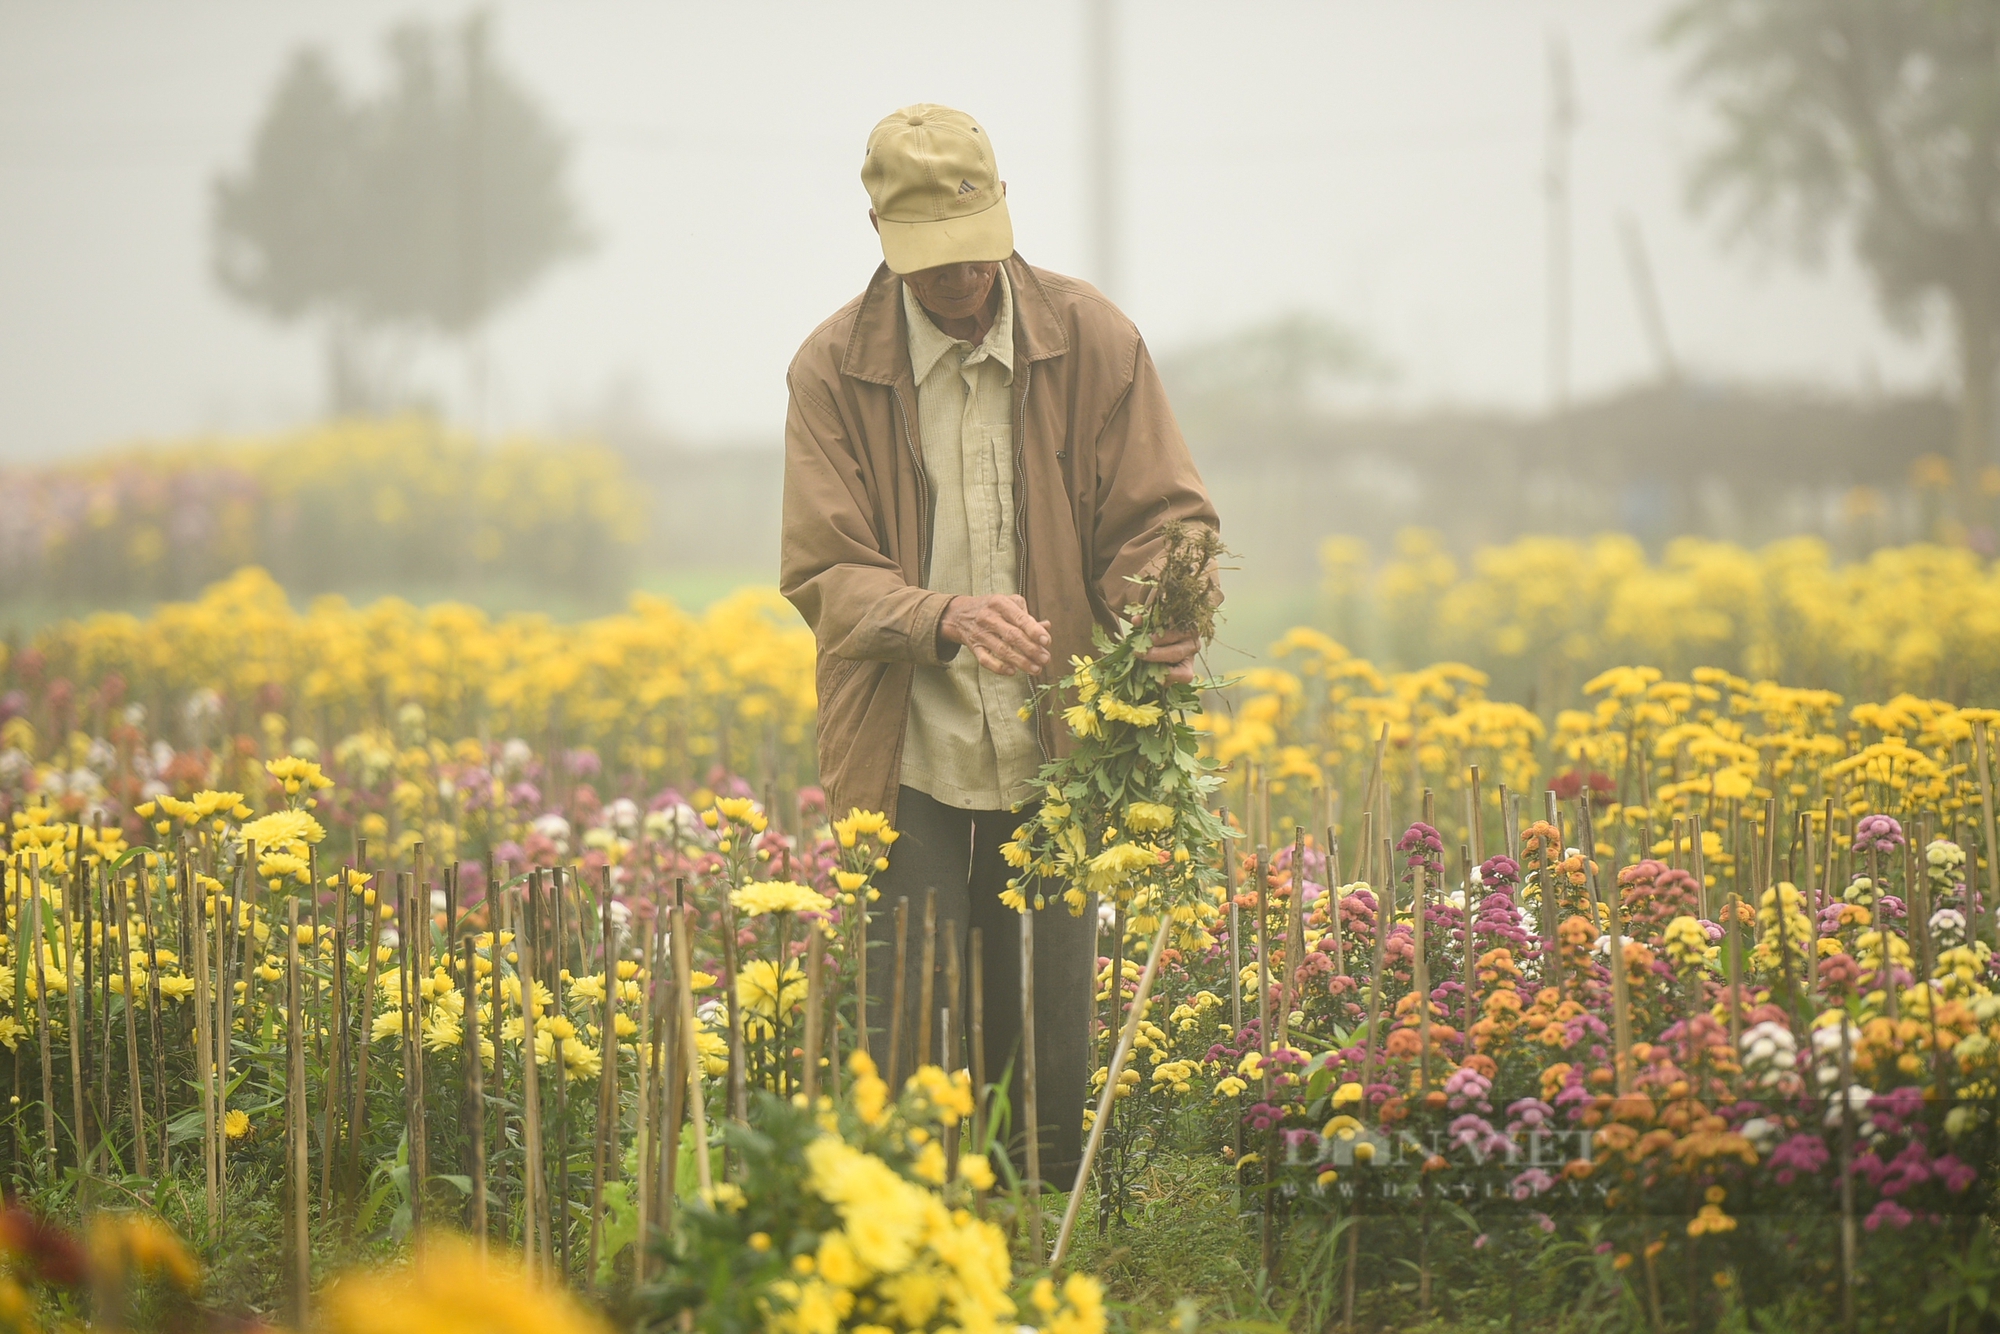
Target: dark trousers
x=957, y=854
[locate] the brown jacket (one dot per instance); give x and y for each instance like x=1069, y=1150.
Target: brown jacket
x=1099, y=464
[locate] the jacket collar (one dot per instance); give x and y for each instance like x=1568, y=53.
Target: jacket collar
x=878, y=348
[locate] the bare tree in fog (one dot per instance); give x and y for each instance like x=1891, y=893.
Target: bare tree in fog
x=1876, y=119
x=418, y=211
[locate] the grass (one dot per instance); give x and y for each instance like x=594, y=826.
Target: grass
x=1184, y=1243
x=1186, y=1262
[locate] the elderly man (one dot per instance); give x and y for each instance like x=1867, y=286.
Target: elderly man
x=978, y=459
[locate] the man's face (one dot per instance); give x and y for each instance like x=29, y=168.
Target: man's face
x=955, y=291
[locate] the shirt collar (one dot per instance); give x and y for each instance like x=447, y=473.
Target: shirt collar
x=928, y=342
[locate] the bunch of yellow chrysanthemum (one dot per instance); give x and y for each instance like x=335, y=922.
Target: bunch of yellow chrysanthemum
x=1124, y=816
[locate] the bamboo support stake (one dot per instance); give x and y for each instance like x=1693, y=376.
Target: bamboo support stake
x=946, y=1037
x=243, y=959
x=533, y=1234
x=1295, y=935
x=1587, y=848
x=860, y=1041
x=1030, y=1108
x=674, y=1084
x=897, y=998
x=317, y=1031
x=77, y=979
x=1421, y=970
x=1621, y=998
x=420, y=970
x=225, y=1017
x=499, y=918
x=1475, y=826
x=1550, y=914
x=1378, y=782
x=37, y=947
x=1809, y=899
x=555, y=1203
x=96, y=1118
x=136, y=1089
x=11, y=895
x=1982, y=745
x=1732, y=954
x=1777, y=892
x=406, y=987
x=1340, y=969
x=809, y=1049
x=739, y=1088
x=158, y=1051
x=78, y=1131
x=926, y=982
x=103, y=937
x=1385, y=916
x=683, y=969
x=1917, y=898
x=1260, y=875
x=1333, y=925
x=830, y=1013
x=361, y=1038
x=473, y=1057
x=1468, y=947
x=204, y=1048
x=242, y=933
x=1698, y=864
x=672, y=1080
x=1849, y=1239
x=1129, y=1031
x=607, y=1081
x=337, y=1081
x=642, y=1118
x=976, y=1038
x=1229, y=868
x=1114, y=1022
x=951, y=1044
x=556, y=1216
x=330, y=1062
x=296, y=1123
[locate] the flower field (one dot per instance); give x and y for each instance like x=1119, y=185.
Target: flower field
x=1654, y=1000
x=370, y=504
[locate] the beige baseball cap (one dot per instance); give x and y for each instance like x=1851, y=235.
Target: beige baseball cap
x=935, y=190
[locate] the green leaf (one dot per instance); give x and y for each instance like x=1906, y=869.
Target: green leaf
x=1463, y=1215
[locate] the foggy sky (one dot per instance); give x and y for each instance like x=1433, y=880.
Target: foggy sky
x=1380, y=163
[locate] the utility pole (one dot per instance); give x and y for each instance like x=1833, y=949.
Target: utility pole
x=1646, y=292
x=1100, y=69
x=1555, y=185
x=475, y=55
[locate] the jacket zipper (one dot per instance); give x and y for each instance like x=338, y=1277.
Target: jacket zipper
x=1021, y=512
x=1021, y=482
x=923, y=488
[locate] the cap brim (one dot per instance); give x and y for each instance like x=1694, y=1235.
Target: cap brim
x=911, y=247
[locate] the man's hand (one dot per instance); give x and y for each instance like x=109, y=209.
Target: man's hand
x=1178, y=649
x=999, y=631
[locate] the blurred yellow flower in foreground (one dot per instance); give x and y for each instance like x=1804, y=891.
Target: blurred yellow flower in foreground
x=452, y=1292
